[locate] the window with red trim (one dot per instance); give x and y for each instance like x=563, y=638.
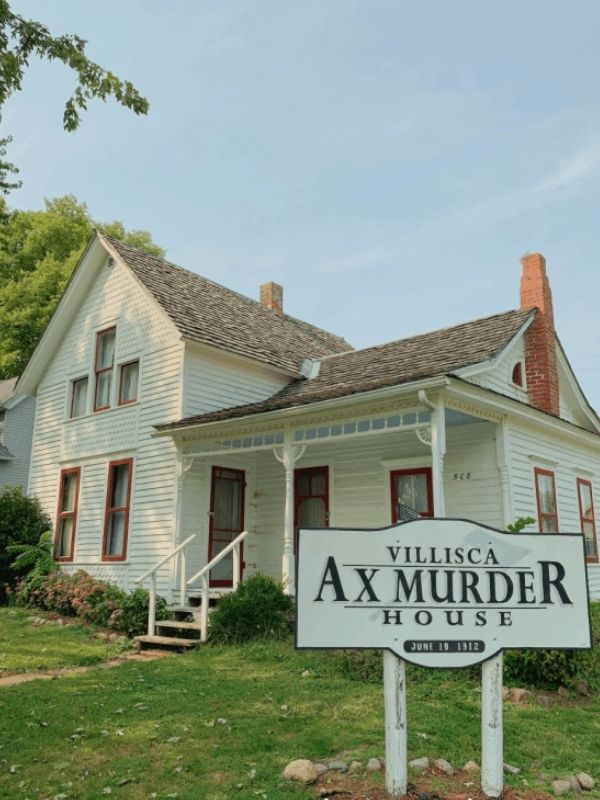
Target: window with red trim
x=103, y=368
x=129, y=375
x=412, y=489
x=66, y=514
x=79, y=390
x=311, y=499
x=116, y=521
x=587, y=519
x=545, y=492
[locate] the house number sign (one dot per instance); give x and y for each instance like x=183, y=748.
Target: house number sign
x=441, y=593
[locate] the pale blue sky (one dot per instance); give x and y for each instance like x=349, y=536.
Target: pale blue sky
x=388, y=162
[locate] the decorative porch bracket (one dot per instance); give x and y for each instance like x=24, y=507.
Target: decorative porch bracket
x=288, y=455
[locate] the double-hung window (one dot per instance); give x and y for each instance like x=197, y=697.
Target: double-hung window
x=79, y=391
x=129, y=375
x=66, y=515
x=545, y=490
x=587, y=519
x=103, y=368
x=116, y=520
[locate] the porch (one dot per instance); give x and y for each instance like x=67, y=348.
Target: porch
x=331, y=469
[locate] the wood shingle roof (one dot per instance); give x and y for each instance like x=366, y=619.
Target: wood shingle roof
x=204, y=311
x=428, y=355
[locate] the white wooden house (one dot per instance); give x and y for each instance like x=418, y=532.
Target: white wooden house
x=169, y=407
x=16, y=429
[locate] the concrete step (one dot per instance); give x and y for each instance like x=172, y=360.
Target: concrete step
x=171, y=642
x=175, y=623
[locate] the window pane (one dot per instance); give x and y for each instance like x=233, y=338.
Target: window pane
x=79, y=400
x=302, y=484
x=311, y=513
x=116, y=533
x=585, y=493
x=103, y=383
x=223, y=571
x=318, y=483
x=546, y=494
x=549, y=525
x=227, y=504
x=120, y=483
x=411, y=490
x=589, y=535
x=105, y=355
x=129, y=382
x=63, y=540
x=69, y=492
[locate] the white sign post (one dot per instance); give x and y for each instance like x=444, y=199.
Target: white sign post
x=441, y=593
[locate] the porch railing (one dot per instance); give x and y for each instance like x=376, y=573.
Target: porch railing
x=181, y=567
x=204, y=575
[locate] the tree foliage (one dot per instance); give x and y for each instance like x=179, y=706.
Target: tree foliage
x=20, y=40
x=38, y=252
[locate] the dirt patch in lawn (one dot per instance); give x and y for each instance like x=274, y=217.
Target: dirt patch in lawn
x=353, y=786
x=51, y=674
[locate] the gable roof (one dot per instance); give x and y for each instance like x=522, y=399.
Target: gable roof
x=206, y=312
x=428, y=355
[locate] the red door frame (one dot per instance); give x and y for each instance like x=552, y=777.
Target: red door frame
x=415, y=471
x=310, y=471
x=211, y=528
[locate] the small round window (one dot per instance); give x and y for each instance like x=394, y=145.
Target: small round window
x=517, y=374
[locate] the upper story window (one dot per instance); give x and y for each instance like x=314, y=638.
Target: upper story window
x=545, y=490
x=587, y=519
x=66, y=515
x=103, y=368
x=2, y=423
x=129, y=375
x=79, y=392
x=517, y=374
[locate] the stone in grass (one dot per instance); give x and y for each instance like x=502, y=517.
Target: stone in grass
x=472, y=766
x=355, y=766
x=373, y=765
x=586, y=781
x=575, y=785
x=337, y=765
x=320, y=767
x=301, y=770
x=420, y=764
x=511, y=770
x=561, y=787
x=443, y=766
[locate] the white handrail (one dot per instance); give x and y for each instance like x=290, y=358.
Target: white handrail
x=218, y=557
x=165, y=559
x=204, y=573
x=152, y=575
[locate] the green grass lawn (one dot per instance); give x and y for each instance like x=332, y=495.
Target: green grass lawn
x=25, y=647
x=223, y=722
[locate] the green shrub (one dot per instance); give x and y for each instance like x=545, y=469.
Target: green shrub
x=548, y=669
x=36, y=561
x=258, y=609
x=365, y=666
x=22, y=522
x=94, y=601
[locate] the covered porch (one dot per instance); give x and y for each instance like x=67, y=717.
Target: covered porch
x=346, y=464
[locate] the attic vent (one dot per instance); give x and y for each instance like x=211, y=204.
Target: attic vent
x=517, y=374
x=110, y=262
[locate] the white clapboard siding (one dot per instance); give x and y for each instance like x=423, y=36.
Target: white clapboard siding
x=568, y=461
x=499, y=379
x=219, y=381
x=18, y=430
x=143, y=332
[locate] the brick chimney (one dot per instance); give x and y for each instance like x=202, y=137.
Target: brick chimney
x=540, y=338
x=271, y=296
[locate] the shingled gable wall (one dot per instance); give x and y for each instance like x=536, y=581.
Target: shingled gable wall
x=540, y=338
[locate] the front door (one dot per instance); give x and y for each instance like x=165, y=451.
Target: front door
x=412, y=490
x=226, y=520
x=311, y=494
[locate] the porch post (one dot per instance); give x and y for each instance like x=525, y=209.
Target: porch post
x=177, y=534
x=288, y=456
x=503, y=468
x=438, y=452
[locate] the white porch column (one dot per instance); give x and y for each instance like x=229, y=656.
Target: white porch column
x=288, y=455
x=503, y=468
x=438, y=452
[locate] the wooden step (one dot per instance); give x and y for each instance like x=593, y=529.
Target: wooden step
x=166, y=641
x=179, y=609
x=174, y=623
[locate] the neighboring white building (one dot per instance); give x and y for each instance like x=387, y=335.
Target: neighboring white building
x=169, y=406
x=16, y=429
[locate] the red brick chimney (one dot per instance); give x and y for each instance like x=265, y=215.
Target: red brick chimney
x=271, y=296
x=540, y=338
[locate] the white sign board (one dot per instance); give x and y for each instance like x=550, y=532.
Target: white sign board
x=441, y=592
